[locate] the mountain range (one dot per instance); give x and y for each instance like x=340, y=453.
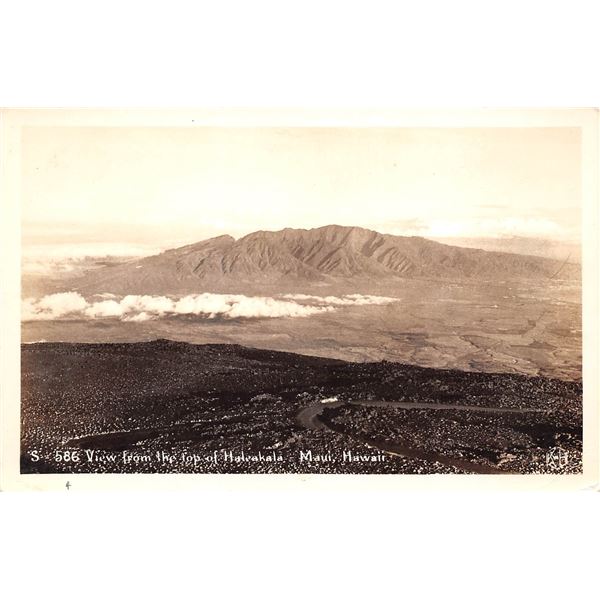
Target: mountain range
x=307, y=258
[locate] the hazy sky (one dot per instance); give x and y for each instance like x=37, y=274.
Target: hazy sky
x=160, y=187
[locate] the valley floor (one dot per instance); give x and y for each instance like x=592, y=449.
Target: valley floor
x=503, y=327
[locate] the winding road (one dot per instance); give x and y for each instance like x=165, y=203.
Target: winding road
x=310, y=418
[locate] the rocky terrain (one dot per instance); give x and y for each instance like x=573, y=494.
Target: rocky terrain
x=169, y=407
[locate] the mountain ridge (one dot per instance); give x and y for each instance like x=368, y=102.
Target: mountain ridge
x=328, y=255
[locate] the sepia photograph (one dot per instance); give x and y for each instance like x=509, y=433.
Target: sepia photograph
x=210, y=296
x=299, y=300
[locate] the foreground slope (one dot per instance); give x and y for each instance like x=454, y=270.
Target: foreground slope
x=125, y=407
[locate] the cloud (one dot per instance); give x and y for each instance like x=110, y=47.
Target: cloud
x=158, y=305
x=235, y=306
x=53, y=306
x=269, y=307
x=138, y=308
x=107, y=308
x=63, y=304
x=347, y=300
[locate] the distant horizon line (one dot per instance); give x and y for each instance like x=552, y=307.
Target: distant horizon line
x=237, y=236
x=98, y=249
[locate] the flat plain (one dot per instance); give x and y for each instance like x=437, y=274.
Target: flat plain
x=513, y=327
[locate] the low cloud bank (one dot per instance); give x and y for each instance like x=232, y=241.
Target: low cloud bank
x=136, y=308
x=347, y=300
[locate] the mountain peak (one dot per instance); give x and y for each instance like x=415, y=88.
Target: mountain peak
x=300, y=258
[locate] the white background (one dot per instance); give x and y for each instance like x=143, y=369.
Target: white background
x=299, y=54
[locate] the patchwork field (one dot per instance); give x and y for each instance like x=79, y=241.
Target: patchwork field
x=527, y=328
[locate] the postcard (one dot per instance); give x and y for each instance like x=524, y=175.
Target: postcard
x=279, y=298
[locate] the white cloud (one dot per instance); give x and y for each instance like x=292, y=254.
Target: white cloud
x=158, y=305
x=62, y=304
x=269, y=307
x=136, y=308
x=240, y=306
x=347, y=300
x=107, y=308
x=53, y=306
